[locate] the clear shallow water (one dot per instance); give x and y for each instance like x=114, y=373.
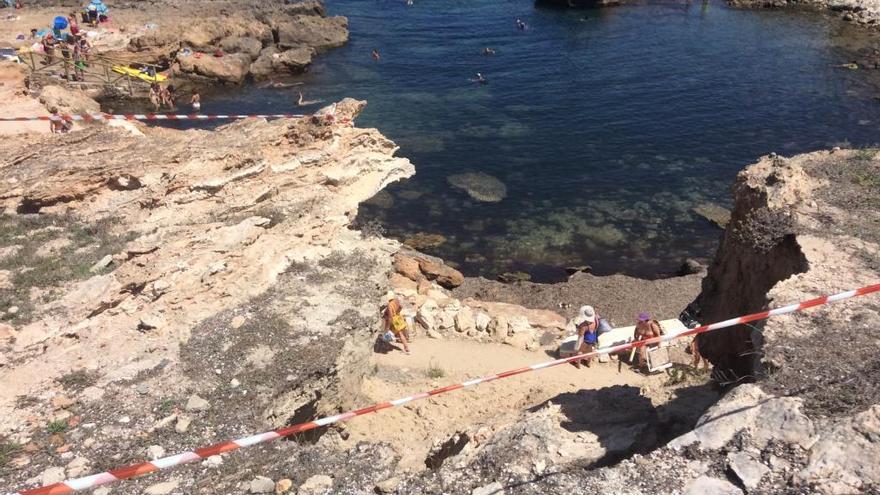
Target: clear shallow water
x=607, y=127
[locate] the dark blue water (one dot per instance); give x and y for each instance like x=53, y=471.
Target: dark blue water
x=607, y=127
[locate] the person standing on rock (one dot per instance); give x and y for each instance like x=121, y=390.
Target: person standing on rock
x=646, y=328
x=394, y=322
x=589, y=326
x=196, y=101
x=155, y=95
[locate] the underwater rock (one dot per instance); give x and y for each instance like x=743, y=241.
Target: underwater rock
x=423, y=240
x=383, y=199
x=480, y=186
x=713, y=213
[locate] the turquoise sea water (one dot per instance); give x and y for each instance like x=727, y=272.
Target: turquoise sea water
x=606, y=126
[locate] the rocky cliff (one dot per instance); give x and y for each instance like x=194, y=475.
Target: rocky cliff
x=802, y=226
x=860, y=12
x=161, y=287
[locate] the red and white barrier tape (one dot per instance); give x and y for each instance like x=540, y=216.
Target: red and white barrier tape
x=93, y=117
x=143, y=468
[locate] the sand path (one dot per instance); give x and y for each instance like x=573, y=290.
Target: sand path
x=412, y=429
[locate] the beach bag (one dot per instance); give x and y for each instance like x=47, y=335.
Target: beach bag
x=604, y=326
x=398, y=324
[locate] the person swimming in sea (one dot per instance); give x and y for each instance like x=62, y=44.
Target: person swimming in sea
x=276, y=84
x=488, y=51
x=302, y=102
x=480, y=79
x=375, y=54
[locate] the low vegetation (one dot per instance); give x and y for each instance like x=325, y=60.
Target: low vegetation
x=7, y=452
x=434, y=370
x=41, y=252
x=57, y=426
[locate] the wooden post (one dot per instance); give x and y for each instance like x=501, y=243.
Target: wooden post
x=130, y=92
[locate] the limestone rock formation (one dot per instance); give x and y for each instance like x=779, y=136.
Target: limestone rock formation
x=242, y=44
x=415, y=266
x=224, y=227
x=297, y=30
x=68, y=101
x=320, y=33
x=231, y=67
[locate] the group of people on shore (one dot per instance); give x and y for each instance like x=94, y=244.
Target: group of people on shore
x=164, y=96
x=588, y=323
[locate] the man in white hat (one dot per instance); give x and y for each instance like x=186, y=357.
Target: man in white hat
x=587, y=324
x=394, y=322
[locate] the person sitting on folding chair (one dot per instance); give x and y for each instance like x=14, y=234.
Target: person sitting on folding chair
x=646, y=328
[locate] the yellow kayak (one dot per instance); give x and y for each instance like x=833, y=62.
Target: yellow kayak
x=138, y=74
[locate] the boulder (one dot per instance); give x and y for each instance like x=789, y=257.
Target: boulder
x=747, y=469
x=518, y=324
x=464, y=320
x=498, y=327
x=407, y=266
x=211, y=31
x=293, y=60
x=320, y=33
x=319, y=484
x=155, y=40
x=230, y=68
x=426, y=315
x=748, y=408
x=444, y=275
x=844, y=460
x=262, y=484
x=402, y=285
x=481, y=321
x=238, y=44
x=196, y=403
x=520, y=316
x=52, y=475
x=262, y=66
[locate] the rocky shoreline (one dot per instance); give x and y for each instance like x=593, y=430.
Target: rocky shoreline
x=207, y=42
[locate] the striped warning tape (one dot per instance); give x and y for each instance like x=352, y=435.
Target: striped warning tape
x=143, y=468
x=93, y=117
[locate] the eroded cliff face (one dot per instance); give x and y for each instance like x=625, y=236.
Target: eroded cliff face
x=233, y=296
x=759, y=248
x=805, y=221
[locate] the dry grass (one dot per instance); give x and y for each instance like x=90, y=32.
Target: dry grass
x=88, y=243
